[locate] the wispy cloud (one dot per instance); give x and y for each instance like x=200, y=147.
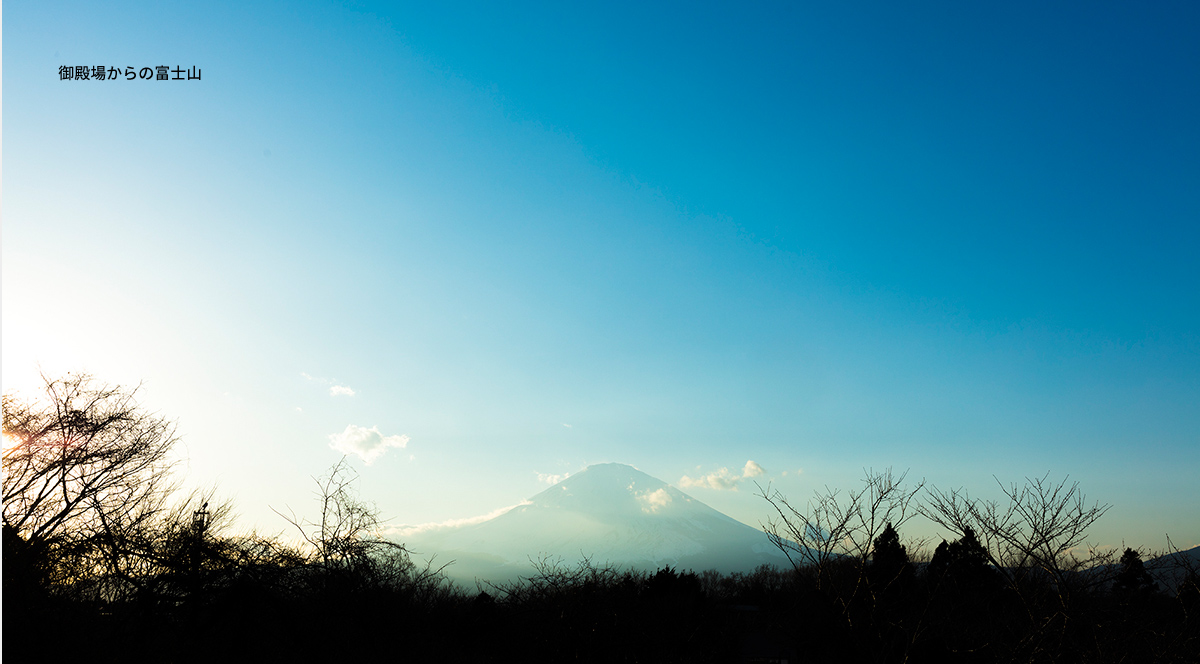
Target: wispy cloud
x=409, y=531
x=552, y=479
x=368, y=444
x=335, y=388
x=723, y=479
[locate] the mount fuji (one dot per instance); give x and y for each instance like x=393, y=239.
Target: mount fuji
x=609, y=513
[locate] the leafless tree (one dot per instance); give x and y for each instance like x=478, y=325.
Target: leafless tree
x=1034, y=539
x=347, y=531
x=1177, y=570
x=831, y=538
x=1039, y=527
x=345, y=542
x=553, y=579
x=84, y=468
x=833, y=525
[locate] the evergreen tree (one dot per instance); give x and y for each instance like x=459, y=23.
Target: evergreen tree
x=889, y=558
x=962, y=564
x=1133, y=577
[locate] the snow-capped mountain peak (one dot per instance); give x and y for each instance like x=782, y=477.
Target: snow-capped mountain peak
x=610, y=513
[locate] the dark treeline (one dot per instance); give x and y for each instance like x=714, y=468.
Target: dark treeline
x=104, y=561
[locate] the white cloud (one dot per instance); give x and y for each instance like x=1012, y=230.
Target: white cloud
x=566, y=425
x=653, y=501
x=335, y=390
x=723, y=479
x=368, y=444
x=552, y=479
x=408, y=531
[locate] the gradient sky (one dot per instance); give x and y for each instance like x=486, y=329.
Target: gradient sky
x=959, y=240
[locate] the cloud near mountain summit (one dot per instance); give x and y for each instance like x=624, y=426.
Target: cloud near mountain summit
x=653, y=501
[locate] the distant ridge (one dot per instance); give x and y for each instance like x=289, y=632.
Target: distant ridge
x=1171, y=569
x=610, y=513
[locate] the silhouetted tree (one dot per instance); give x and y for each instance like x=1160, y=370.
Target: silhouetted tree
x=668, y=584
x=1032, y=541
x=832, y=541
x=963, y=564
x=1132, y=576
x=26, y=571
x=347, y=548
x=832, y=529
x=86, y=472
x=963, y=613
x=889, y=558
x=1035, y=532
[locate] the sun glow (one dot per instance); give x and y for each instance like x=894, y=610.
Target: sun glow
x=10, y=441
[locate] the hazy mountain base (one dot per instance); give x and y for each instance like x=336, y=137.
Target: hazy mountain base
x=466, y=568
x=610, y=514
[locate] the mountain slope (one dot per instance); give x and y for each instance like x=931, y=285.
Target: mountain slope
x=611, y=514
x=1172, y=569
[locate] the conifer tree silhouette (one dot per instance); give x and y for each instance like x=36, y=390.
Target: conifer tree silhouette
x=1133, y=577
x=963, y=563
x=888, y=555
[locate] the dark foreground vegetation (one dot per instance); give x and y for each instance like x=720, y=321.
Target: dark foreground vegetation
x=104, y=561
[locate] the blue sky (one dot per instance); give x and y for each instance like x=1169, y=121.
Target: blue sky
x=959, y=240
